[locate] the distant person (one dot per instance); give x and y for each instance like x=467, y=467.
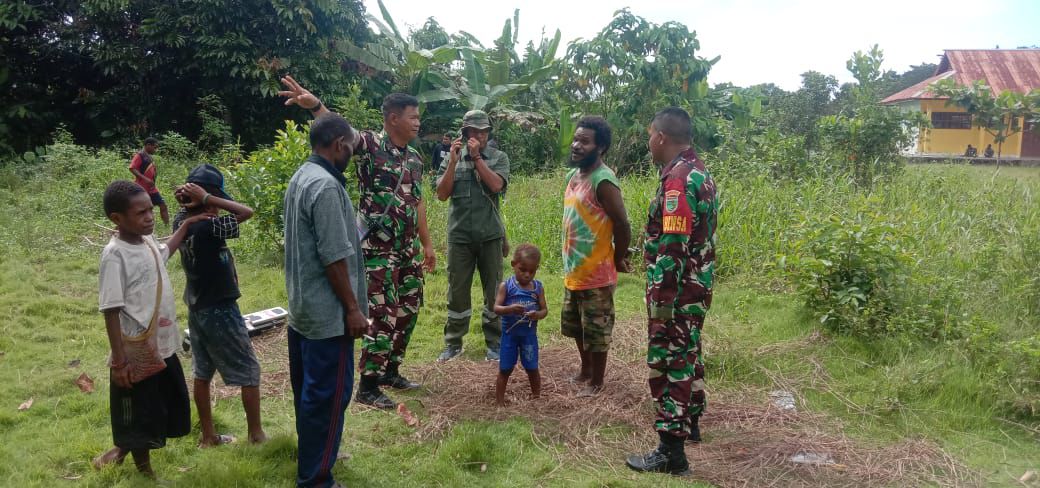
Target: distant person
x=989, y=151
x=145, y=173
x=679, y=254
x=596, y=234
x=441, y=151
x=474, y=177
x=219, y=339
x=971, y=152
x=148, y=398
x=520, y=301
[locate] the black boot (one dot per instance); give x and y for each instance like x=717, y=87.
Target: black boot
x=368, y=393
x=695, y=431
x=393, y=379
x=669, y=457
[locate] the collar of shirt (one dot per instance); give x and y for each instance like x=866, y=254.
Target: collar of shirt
x=389, y=146
x=686, y=155
x=334, y=171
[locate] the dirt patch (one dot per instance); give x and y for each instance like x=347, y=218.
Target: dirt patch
x=748, y=441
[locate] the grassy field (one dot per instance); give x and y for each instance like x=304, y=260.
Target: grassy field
x=881, y=401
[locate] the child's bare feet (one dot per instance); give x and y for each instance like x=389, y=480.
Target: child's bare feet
x=114, y=455
x=590, y=391
x=218, y=440
x=258, y=438
x=581, y=378
x=142, y=459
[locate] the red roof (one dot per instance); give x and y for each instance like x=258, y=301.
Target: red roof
x=1002, y=69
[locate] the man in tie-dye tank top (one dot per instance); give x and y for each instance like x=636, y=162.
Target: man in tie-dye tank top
x=596, y=234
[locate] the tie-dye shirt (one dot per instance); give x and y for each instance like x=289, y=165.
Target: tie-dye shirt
x=588, y=232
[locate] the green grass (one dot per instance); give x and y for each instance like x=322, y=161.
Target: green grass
x=969, y=229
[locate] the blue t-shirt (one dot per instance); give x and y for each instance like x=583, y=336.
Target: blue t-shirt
x=518, y=325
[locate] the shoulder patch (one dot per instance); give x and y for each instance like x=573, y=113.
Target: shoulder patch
x=676, y=213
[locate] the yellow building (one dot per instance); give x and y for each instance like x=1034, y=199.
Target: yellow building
x=952, y=131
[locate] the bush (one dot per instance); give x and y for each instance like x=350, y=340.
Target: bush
x=353, y=107
x=867, y=146
x=215, y=132
x=1021, y=369
x=260, y=182
x=854, y=273
x=531, y=147
x=771, y=153
x=175, y=148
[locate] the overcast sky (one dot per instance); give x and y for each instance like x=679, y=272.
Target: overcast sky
x=760, y=41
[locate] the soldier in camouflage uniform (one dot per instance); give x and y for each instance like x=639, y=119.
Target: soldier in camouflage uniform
x=391, y=216
x=680, y=264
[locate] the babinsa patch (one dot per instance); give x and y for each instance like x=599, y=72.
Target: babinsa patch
x=677, y=216
x=671, y=200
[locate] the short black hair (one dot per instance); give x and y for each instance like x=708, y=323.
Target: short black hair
x=328, y=128
x=675, y=123
x=118, y=194
x=396, y=102
x=151, y=141
x=527, y=251
x=599, y=125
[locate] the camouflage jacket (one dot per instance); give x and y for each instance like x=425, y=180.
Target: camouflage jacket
x=392, y=217
x=680, y=240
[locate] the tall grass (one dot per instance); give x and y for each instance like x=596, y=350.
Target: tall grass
x=975, y=240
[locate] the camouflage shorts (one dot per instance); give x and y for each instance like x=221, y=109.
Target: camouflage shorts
x=589, y=315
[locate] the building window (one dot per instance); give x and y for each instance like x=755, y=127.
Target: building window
x=951, y=120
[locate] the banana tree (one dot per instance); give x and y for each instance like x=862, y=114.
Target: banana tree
x=420, y=72
x=493, y=76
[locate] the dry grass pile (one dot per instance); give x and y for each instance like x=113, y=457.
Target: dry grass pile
x=748, y=441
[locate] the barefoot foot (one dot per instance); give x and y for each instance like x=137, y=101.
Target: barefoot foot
x=114, y=455
x=219, y=440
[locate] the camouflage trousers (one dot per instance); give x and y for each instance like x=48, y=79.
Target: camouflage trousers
x=676, y=372
x=395, y=287
x=589, y=315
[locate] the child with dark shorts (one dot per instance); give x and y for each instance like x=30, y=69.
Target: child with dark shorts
x=136, y=297
x=520, y=301
x=218, y=335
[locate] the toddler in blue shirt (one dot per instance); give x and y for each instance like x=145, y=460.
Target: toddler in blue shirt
x=520, y=301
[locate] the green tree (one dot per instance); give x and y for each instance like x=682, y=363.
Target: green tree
x=797, y=113
x=430, y=35
x=632, y=68
x=1001, y=116
x=123, y=69
x=493, y=76
x=867, y=140
x=410, y=68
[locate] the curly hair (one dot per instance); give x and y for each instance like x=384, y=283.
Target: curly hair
x=118, y=194
x=527, y=251
x=601, y=127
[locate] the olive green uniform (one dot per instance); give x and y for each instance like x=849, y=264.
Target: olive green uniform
x=475, y=234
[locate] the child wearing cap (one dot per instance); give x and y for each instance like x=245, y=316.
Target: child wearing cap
x=218, y=335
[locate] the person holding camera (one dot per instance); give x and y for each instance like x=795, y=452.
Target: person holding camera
x=474, y=176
